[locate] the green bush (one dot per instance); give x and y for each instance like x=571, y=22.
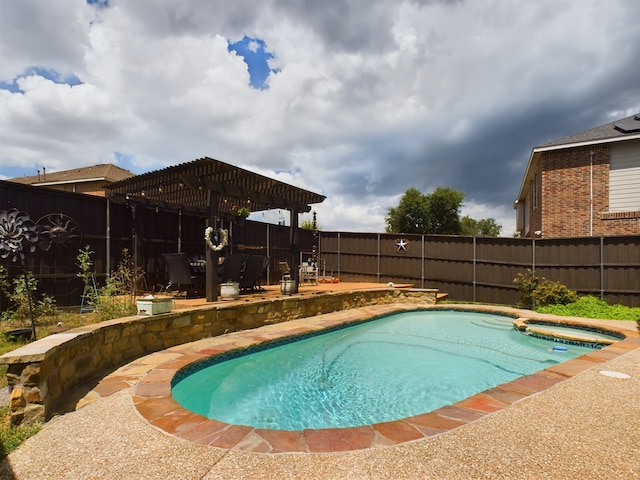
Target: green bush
x=552, y=293
x=45, y=306
x=526, y=283
x=538, y=291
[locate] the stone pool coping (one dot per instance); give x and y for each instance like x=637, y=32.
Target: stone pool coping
x=152, y=398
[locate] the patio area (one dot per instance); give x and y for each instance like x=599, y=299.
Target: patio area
x=575, y=422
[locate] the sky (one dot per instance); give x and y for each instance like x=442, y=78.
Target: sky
x=357, y=100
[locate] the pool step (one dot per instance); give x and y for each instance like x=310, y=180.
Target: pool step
x=495, y=324
x=584, y=338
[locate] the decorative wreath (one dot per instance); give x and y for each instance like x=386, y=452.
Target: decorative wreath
x=223, y=236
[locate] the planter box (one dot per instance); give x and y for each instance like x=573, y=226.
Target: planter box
x=20, y=333
x=288, y=287
x=154, y=305
x=229, y=291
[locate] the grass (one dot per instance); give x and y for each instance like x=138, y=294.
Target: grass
x=12, y=437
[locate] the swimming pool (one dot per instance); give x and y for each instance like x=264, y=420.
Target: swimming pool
x=390, y=368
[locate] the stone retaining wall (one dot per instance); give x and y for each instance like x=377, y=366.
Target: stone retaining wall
x=40, y=373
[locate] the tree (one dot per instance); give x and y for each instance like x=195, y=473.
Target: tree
x=308, y=225
x=486, y=227
x=411, y=214
x=444, y=211
x=434, y=213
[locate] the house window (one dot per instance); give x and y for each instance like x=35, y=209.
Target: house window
x=624, y=177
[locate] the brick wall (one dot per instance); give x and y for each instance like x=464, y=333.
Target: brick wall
x=568, y=177
x=565, y=197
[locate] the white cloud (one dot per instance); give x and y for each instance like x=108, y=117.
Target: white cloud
x=369, y=98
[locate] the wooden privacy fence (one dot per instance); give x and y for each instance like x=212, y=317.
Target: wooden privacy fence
x=482, y=269
x=478, y=269
x=109, y=228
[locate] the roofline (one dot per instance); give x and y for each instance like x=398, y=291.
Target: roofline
x=539, y=150
x=62, y=182
x=586, y=143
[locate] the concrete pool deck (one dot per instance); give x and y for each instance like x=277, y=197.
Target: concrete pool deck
x=568, y=421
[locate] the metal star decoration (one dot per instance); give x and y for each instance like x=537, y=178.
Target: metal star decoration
x=401, y=245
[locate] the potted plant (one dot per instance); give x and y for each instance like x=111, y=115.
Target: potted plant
x=240, y=214
x=229, y=290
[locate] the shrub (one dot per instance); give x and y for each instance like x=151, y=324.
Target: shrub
x=19, y=297
x=552, y=293
x=526, y=284
x=538, y=291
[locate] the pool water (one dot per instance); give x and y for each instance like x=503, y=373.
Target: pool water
x=394, y=367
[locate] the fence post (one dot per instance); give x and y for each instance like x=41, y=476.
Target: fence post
x=601, y=268
x=378, y=265
x=268, y=272
x=474, y=268
x=422, y=261
x=339, y=275
x=533, y=256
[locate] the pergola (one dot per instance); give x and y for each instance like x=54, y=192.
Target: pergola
x=212, y=188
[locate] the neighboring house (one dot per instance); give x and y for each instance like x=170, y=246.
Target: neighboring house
x=89, y=180
x=587, y=184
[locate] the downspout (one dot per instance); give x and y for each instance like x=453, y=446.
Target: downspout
x=591, y=193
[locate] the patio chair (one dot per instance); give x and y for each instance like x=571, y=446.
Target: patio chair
x=251, y=275
x=285, y=271
x=309, y=273
x=233, y=267
x=264, y=272
x=180, y=273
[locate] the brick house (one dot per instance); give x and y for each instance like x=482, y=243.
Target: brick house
x=89, y=180
x=587, y=184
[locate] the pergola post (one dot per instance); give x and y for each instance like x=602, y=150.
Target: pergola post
x=294, y=248
x=211, y=275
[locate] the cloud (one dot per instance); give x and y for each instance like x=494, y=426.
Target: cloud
x=358, y=100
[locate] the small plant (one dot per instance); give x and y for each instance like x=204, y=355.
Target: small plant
x=538, y=291
x=87, y=274
x=117, y=298
x=19, y=297
x=240, y=212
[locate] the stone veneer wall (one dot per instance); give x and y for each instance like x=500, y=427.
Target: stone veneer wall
x=40, y=373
